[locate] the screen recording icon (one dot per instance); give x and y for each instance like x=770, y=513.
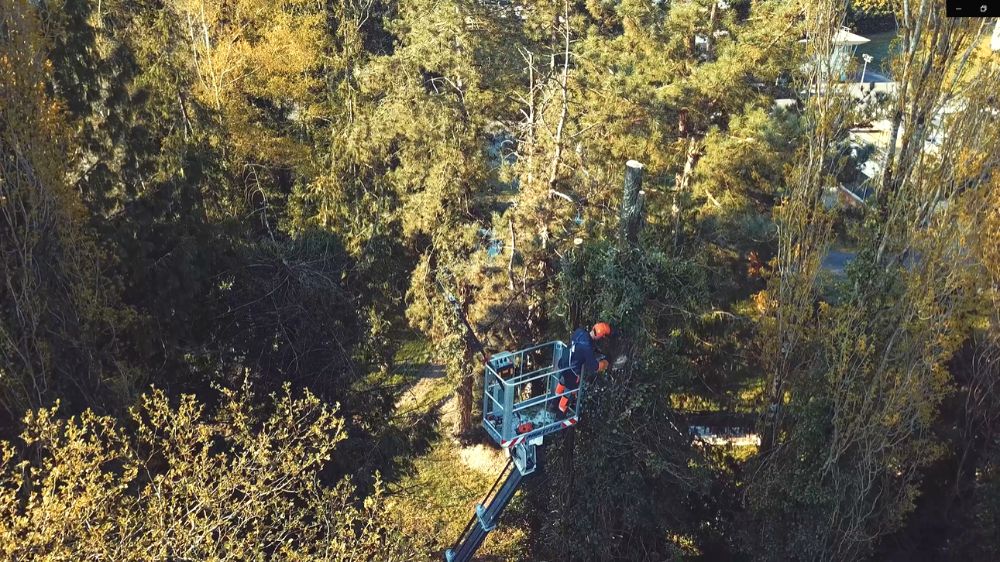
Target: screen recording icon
x=973, y=8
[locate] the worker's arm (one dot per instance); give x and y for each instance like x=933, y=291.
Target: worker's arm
x=602, y=365
x=585, y=355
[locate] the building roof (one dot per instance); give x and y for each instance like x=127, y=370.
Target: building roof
x=871, y=168
x=845, y=37
x=842, y=37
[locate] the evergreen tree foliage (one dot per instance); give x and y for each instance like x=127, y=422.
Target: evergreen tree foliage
x=628, y=468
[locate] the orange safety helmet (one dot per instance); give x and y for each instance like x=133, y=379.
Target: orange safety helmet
x=601, y=329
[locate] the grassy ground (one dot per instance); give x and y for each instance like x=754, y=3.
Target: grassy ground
x=436, y=495
x=438, y=499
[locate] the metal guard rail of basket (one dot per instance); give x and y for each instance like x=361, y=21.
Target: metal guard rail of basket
x=519, y=384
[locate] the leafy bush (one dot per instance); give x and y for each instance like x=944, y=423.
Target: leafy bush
x=184, y=483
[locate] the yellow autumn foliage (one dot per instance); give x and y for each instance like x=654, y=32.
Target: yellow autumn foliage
x=184, y=482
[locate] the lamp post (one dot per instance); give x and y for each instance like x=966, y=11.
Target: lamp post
x=868, y=59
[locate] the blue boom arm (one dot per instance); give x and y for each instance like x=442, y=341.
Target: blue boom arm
x=486, y=517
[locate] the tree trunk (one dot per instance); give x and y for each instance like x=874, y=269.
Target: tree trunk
x=682, y=184
x=565, y=500
x=538, y=495
x=632, y=201
x=465, y=395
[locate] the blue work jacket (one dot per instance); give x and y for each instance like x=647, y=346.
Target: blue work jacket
x=582, y=354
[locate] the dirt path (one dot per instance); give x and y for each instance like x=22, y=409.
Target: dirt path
x=429, y=380
x=431, y=390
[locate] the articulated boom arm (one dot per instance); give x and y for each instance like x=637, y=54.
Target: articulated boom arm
x=526, y=397
x=487, y=514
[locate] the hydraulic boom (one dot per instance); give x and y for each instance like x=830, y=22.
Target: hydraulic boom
x=523, y=401
x=486, y=517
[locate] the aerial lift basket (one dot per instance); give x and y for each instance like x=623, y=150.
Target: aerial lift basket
x=520, y=402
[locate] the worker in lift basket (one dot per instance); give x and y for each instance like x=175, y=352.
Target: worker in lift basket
x=582, y=359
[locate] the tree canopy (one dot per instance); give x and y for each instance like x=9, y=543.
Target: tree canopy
x=255, y=253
